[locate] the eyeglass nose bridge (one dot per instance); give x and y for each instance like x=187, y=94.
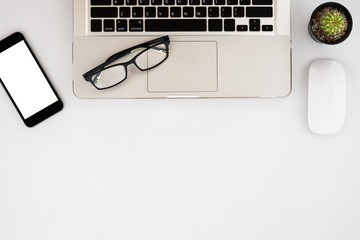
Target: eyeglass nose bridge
x=129, y=63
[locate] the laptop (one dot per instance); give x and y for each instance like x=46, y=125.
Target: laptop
x=218, y=48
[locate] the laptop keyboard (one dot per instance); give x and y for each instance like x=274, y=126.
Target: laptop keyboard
x=252, y=16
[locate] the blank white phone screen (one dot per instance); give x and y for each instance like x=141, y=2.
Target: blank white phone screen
x=24, y=80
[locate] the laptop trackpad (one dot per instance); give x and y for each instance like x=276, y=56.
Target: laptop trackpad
x=190, y=67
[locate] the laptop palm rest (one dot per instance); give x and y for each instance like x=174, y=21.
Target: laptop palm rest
x=191, y=67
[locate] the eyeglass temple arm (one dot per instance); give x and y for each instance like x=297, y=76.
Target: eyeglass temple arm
x=129, y=50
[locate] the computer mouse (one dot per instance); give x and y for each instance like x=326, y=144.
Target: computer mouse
x=327, y=97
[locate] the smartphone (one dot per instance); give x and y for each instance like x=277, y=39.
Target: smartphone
x=25, y=81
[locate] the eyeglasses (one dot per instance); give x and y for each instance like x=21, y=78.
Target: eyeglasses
x=113, y=72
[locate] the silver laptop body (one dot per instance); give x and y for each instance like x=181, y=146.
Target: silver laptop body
x=241, y=48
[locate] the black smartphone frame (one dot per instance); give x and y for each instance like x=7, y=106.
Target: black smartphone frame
x=49, y=110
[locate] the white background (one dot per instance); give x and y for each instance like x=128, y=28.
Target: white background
x=177, y=169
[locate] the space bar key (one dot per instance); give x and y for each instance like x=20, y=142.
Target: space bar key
x=175, y=25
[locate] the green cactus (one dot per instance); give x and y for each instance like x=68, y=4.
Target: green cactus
x=333, y=22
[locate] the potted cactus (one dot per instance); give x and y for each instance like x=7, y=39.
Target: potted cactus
x=330, y=23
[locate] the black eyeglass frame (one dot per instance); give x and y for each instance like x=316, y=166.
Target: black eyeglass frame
x=147, y=45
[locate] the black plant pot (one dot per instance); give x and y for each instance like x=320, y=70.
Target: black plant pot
x=342, y=9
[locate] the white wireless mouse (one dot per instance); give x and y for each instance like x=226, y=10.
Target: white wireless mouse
x=327, y=97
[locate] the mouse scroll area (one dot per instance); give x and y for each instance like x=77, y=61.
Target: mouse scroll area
x=191, y=67
x=327, y=97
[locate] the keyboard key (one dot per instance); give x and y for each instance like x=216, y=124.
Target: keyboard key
x=188, y=12
x=144, y=2
x=244, y=2
x=259, y=12
x=130, y=2
x=239, y=12
x=219, y=2
x=169, y=2
x=96, y=25
x=255, y=28
x=118, y=2
x=200, y=12
x=229, y=25
x=181, y=2
x=136, y=25
x=175, y=12
x=150, y=12
x=213, y=12
x=215, y=25
x=121, y=25
x=100, y=2
x=242, y=28
x=163, y=12
x=175, y=25
x=194, y=2
x=267, y=28
x=104, y=12
x=109, y=25
x=137, y=12
x=262, y=2
x=156, y=2
x=124, y=12
x=232, y=2
x=226, y=12
x=254, y=25
x=207, y=2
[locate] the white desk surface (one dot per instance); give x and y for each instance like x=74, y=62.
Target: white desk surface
x=177, y=169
